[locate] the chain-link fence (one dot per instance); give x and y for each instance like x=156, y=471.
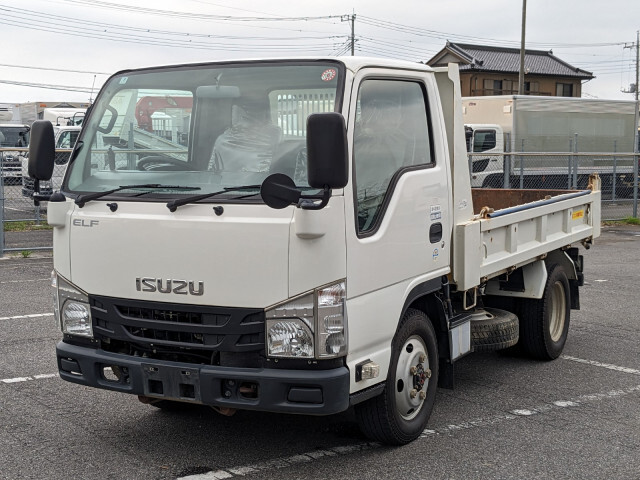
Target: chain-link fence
x=560, y=171
x=17, y=209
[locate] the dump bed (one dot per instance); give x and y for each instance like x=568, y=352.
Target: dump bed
x=512, y=228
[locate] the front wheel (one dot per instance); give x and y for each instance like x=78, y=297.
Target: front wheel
x=400, y=413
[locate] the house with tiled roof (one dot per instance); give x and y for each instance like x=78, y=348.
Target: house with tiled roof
x=487, y=70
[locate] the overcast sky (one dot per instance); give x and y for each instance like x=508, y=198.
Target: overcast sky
x=96, y=38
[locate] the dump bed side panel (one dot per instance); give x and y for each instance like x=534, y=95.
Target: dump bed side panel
x=519, y=235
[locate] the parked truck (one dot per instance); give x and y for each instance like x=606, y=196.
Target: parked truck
x=29, y=112
x=512, y=123
x=315, y=245
x=64, y=117
x=12, y=135
x=6, y=112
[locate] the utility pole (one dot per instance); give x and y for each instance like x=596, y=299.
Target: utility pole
x=351, y=18
x=637, y=47
x=353, y=45
x=524, y=22
x=637, y=62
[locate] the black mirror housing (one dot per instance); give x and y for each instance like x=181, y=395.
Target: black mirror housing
x=42, y=150
x=279, y=191
x=327, y=150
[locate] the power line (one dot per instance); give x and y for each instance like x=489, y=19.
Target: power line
x=444, y=35
x=158, y=41
x=48, y=86
x=52, y=69
x=48, y=18
x=193, y=16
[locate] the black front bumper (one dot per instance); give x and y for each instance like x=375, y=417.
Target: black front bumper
x=312, y=392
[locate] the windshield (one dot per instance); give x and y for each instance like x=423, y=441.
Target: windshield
x=14, y=136
x=213, y=127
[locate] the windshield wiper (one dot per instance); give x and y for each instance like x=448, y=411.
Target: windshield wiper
x=82, y=199
x=174, y=204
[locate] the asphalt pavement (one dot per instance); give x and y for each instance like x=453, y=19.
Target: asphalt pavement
x=509, y=417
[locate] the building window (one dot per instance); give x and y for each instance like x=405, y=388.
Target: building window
x=497, y=87
x=564, y=89
x=531, y=88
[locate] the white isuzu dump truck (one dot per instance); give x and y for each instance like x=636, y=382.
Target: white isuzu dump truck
x=310, y=243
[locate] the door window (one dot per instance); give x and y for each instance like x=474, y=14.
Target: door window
x=484, y=140
x=391, y=135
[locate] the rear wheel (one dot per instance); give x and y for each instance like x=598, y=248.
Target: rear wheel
x=400, y=414
x=544, y=323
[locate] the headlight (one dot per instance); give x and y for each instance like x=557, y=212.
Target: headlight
x=71, y=307
x=312, y=325
x=290, y=329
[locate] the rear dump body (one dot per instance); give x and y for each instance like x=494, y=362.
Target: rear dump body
x=176, y=282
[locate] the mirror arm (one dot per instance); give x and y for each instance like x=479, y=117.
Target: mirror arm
x=37, y=198
x=306, y=202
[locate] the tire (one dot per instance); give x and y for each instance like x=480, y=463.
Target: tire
x=395, y=417
x=493, y=329
x=544, y=323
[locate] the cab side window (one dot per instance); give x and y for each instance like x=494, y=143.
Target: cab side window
x=391, y=135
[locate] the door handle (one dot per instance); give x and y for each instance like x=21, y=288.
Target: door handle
x=435, y=232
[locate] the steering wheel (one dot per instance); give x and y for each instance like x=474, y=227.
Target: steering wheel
x=159, y=162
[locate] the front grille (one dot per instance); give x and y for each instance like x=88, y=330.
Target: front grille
x=151, y=325
x=164, y=315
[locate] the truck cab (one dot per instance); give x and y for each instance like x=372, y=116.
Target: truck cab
x=485, y=144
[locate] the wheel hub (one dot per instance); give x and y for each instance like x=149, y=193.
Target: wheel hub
x=412, y=378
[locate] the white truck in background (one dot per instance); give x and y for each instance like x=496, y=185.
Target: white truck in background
x=6, y=112
x=12, y=135
x=343, y=262
x=29, y=112
x=64, y=116
x=512, y=124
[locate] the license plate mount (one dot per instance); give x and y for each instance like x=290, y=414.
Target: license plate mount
x=176, y=383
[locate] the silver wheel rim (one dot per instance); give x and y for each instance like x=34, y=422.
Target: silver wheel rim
x=412, y=377
x=558, y=309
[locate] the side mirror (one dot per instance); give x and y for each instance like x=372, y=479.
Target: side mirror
x=279, y=191
x=327, y=151
x=42, y=150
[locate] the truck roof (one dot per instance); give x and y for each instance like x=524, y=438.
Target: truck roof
x=351, y=63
